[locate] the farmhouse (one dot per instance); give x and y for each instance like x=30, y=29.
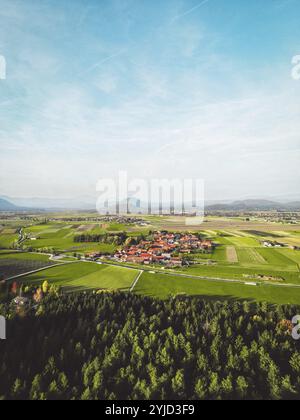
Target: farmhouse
x=93, y=256
x=269, y=244
x=21, y=302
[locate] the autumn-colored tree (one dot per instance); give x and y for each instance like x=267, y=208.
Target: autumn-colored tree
x=38, y=295
x=45, y=287
x=14, y=288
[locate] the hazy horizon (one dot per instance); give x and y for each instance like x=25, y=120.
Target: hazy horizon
x=187, y=88
x=89, y=202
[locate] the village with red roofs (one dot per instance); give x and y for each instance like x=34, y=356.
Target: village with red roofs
x=167, y=249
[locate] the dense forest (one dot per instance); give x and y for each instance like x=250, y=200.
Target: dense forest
x=123, y=346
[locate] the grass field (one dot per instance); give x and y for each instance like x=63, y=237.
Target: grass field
x=7, y=240
x=85, y=276
x=239, y=273
x=291, y=255
x=163, y=286
x=23, y=256
x=277, y=259
x=220, y=254
x=15, y=263
x=249, y=256
x=243, y=241
x=60, y=237
x=221, y=223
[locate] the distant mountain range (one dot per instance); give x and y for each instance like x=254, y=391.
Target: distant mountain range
x=50, y=204
x=8, y=204
x=254, y=205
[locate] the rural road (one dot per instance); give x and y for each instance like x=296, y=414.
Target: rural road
x=35, y=271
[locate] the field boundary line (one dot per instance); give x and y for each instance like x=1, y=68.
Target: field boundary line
x=40, y=269
x=136, y=280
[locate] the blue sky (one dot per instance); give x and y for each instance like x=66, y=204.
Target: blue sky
x=167, y=88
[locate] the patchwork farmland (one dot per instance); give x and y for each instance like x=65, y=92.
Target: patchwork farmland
x=239, y=266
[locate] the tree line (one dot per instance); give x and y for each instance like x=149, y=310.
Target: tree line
x=107, y=238
x=120, y=238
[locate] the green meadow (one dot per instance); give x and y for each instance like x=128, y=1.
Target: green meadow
x=14, y=263
x=60, y=237
x=7, y=240
x=80, y=276
x=277, y=259
x=242, y=273
x=23, y=256
x=163, y=286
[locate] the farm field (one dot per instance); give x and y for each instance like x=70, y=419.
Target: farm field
x=84, y=276
x=163, y=286
x=14, y=263
x=242, y=257
x=221, y=224
x=277, y=259
x=61, y=238
x=242, y=273
x=291, y=254
x=23, y=256
x=249, y=256
x=231, y=254
x=241, y=241
x=7, y=240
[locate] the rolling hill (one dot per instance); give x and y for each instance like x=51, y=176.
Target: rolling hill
x=7, y=206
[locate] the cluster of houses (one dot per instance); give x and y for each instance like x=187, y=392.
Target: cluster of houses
x=270, y=244
x=166, y=248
